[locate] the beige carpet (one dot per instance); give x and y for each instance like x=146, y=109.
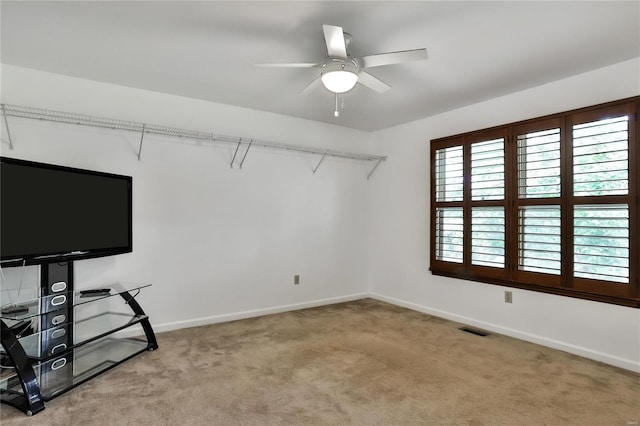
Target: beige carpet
x=361, y=363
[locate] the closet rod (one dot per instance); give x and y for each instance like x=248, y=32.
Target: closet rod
x=109, y=123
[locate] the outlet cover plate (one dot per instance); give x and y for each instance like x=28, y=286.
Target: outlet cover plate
x=508, y=297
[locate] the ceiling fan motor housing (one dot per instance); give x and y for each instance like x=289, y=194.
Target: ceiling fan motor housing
x=333, y=64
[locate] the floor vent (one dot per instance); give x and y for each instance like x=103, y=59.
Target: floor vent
x=474, y=331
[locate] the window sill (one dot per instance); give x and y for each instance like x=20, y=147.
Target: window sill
x=559, y=291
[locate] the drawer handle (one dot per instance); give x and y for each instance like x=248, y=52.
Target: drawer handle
x=58, y=333
x=60, y=347
x=58, y=363
x=59, y=286
x=58, y=300
x=58, y=319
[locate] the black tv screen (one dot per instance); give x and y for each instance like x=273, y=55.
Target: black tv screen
x=50, y=213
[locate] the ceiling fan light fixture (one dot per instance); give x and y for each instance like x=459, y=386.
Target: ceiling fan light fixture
x=339, y=76
x=339, y=81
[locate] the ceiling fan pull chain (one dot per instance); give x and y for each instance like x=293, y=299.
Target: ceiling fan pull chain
x=336, y=113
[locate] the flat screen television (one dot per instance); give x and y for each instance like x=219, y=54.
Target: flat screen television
x=51, y=213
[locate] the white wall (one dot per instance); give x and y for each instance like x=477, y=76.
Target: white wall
x=399, y=237
x=217, y=243
x=221, y=243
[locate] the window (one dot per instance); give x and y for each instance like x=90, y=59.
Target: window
x=549, y=204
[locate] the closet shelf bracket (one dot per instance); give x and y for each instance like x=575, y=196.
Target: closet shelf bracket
x=141, y=139
x=6, y=126
x=319, y=162
x=236, y=152
x=374, y=168
x=246, y=152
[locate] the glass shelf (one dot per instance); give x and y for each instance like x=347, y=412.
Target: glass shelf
x=116, y=289
x=10, y=383
x=34, y=306
x=84, y=331
x=84, y=363
x=7, y=375
x=80, y=364
x=41, y=305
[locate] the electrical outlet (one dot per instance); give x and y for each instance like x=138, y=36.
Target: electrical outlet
x=296, y=279
x=508, y=297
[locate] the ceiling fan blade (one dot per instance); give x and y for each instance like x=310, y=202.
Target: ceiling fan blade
x=393, y=58
x=372, y=82
x=311, y=86
x=289, y=65
x=334, y=37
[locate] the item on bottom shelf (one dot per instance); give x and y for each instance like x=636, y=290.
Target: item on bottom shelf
x=15, y=309
x=95, y=292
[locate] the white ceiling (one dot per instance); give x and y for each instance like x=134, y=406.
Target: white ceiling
x=206, y=50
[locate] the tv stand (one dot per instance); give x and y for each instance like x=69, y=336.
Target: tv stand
x=73, y=338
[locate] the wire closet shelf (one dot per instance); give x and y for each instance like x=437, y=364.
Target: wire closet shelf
x=144, y=128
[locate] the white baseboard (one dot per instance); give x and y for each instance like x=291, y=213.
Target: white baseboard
x=627, y=364
x=158, y=328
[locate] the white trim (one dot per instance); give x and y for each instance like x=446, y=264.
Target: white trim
x=627, y=364
x=233, y=316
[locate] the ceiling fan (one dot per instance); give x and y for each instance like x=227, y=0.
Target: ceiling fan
x=340, y=72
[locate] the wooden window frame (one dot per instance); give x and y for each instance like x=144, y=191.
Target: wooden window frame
x=511, y=276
